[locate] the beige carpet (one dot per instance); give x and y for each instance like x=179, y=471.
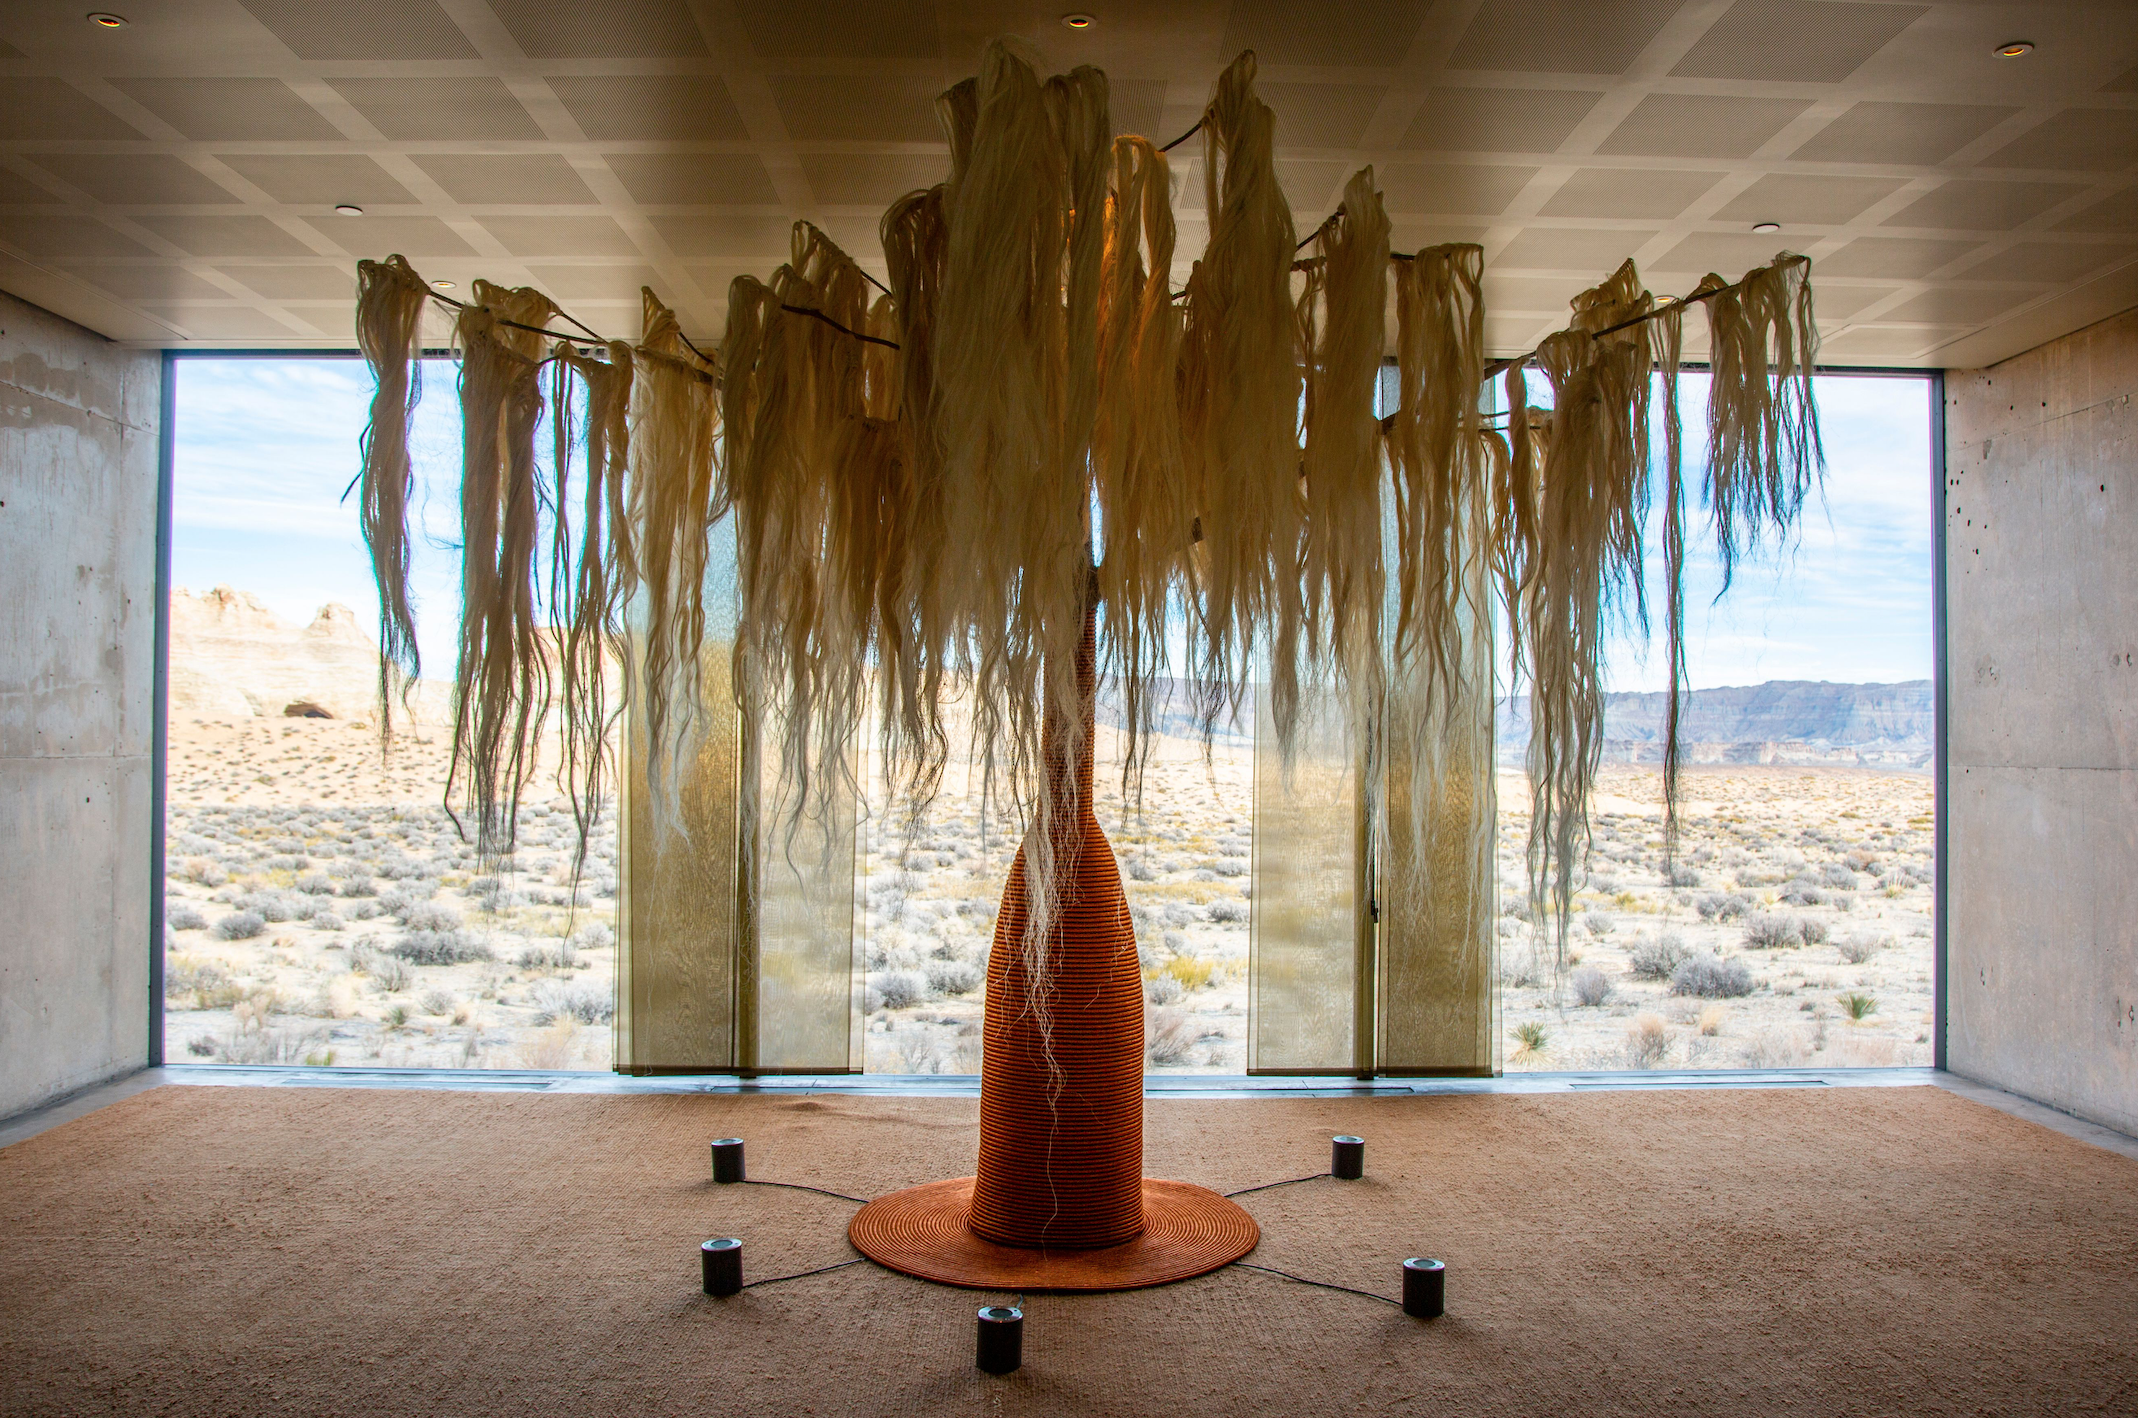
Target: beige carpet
x=1875, y=1251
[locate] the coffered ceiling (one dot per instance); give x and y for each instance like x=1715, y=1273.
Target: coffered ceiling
x=173, y=181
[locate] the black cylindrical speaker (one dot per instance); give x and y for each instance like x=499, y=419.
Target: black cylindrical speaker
x=1001, y=1347
x=727, y=1159
x=721, y=1258
x=1347, y=1157
x=1425, y=1288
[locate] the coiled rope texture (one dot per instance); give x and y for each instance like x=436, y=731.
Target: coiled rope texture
x=1061, y=1107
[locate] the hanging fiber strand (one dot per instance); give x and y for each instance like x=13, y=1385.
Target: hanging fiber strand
x=802, y=477
x=390, y=298
x=1343, y=329
x=1667, y=336
x=1014, y=398
x=1240, y=410
x=1764, y=453
x=911, y=661
x=1589, y=548
x=1136, y=454
x=501, y=692
x=1435, y=444
x=676, y=497
x=591, y=572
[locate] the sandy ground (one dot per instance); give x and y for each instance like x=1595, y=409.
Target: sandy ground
x=1802, y=898
x=1816, y=883
x=323, y=909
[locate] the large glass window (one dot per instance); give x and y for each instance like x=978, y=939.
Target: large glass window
x=1797, y=928
x=321, y=906
x=324, y=909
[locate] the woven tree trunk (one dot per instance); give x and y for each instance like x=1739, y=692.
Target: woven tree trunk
x=1061, y=1078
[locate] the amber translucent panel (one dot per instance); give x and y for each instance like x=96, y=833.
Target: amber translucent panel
x=1304, y=938
x=1437, y=1005
x=682, y=923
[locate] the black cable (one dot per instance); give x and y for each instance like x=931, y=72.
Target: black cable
x=1286, y=1274
x=805, y=1187
x=1288, y=1181
x=799, y=1274
x=1183, y=137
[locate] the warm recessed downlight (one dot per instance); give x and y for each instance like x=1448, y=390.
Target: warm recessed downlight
x=441, y=285
x=348, y=210
x=103, y=19
x=1765, y=227
x=1080, y=21
x=2016, y=48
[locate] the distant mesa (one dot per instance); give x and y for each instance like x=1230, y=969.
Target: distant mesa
x=233, y=658
x=1792, y=722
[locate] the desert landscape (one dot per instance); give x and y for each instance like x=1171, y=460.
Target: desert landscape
x=322, y=908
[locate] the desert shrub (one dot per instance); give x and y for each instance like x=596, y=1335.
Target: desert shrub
x=557, y=955
x=391, y=975
x=901, y=989
x=1857, y=1005
x=446, y=947
x=1856, y=949
x=183, y=916
x=1681, y=875
x=316, y=885
x=1591, y=986
x=204, y=871
x=1654, y=957
x=189, y=974
x=360, y=885
x=1711, y=1020
x=1803, y=891
x=594, y=936
x=1597, y=924
x=1192, y=971
x=871, y=999
x=1716, y=906
x=1177, y=915
x=1228, y=911
x=438, y=1002
x=361, y=911
x=579, y=1000
x=1773, y=932
x=493, y=894
x=1711, y=977
x=326, y=921
x=1140, y=870
x=270, y=906
x=1647, y=1042
x=1163, y=989
x=427, y=916
x=1837, y=876
x=241, y=925
x=952, y=977
x=1530, y=1040
x=1863, y=861
x=1169, y=1036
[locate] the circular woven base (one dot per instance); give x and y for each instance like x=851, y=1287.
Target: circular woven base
x=921, y=1231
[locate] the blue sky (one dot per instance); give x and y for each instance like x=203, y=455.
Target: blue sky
x=265, y=448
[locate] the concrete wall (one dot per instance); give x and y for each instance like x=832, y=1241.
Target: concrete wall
x=2041, y=557
x=78, y=421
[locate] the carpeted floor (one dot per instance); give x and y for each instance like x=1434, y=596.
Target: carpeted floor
x=315, y=1251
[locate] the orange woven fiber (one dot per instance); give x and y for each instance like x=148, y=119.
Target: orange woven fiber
x=1061, y=1106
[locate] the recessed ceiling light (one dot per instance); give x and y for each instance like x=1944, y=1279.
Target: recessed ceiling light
x=347, y=210
x=441, y=285
x=1764, y=227
x=1080, y=21
x=103, y=19
x=2016, y=48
